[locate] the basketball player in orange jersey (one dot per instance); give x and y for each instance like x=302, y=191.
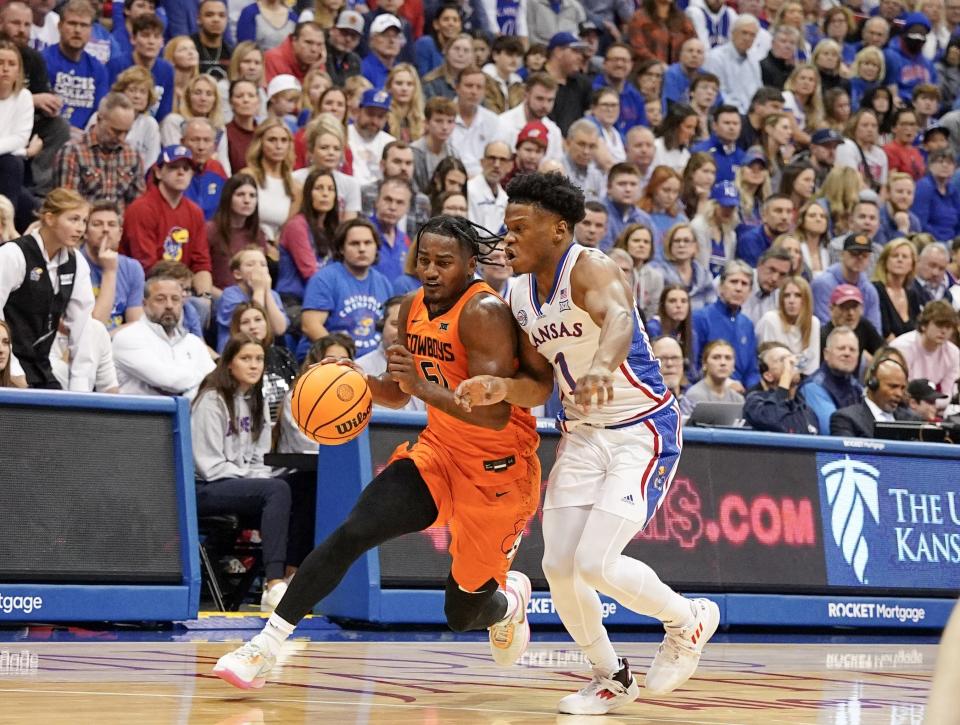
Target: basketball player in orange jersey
x=477, y=471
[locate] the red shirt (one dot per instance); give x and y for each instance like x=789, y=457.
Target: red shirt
x=907, y=159
x=154, y=230
x=280, y=60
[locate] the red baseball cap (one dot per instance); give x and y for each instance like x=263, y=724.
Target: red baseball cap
x=534, y=131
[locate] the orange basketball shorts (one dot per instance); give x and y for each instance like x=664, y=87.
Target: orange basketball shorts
x=486, y=515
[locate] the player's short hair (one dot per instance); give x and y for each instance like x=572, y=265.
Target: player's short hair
x=552, y=192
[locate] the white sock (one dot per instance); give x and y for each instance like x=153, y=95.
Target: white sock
x=513, y=603
x=602, y=656
x=275, y=633
x=679, y=613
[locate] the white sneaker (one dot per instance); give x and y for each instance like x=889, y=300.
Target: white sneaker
x=246, y=667
x=679, y=653
x=509, y=638
x=271, y=597
x=603, y=694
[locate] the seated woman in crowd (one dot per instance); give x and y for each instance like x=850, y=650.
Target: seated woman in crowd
x=716, y=363
x=776, y=137
x=698, y=179
x=827, y=59
x=445, y=27
x=280, y=366
x=637, y=241
x=326, y=143
x=234, y=226
x=246, y=64
x=201, y=99
x=680, y=266
x=674, y=319
x=661, y=200
x=790, y=243
x=244, y=110
x=862, y=151
x=136, y=83
x=866, y=74
x=453, y=203
x=813, y=231
x=270, y=162
x=405, y=119
x=899, y=299
x=306, y=242
x=803, y=99
x=839, y=25
x=450, y=175
x=252, y=284
x=347, y=295
x=442, y=80
x=716, y=228
x=840, y=193
x=836, y=109
x=798, y=181
x=794, y=324
x=182, y=54
x=230, y=427
x=17, y=140
x=752, y=180
x=674, y=137
x=9, y=378
x=604, y=112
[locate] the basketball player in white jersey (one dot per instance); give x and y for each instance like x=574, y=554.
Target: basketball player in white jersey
x=620, y=440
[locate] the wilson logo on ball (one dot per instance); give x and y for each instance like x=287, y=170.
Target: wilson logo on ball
x=355, y=422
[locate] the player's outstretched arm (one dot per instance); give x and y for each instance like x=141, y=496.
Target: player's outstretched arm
x=600, y=289
x=488, y=333
x=530, y=387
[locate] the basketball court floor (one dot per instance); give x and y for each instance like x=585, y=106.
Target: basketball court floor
x=433, y=678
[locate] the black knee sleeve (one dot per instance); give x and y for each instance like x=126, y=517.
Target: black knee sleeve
x=466, y=611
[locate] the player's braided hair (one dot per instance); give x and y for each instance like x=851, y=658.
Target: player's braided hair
x=551, y=192
x=466, y=232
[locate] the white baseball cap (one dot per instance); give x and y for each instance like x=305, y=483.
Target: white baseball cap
x=384, y=22
x=281, y=83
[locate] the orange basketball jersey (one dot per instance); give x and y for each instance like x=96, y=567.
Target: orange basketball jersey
x=441, y=358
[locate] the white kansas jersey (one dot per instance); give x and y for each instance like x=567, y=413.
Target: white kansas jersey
x=566, y=336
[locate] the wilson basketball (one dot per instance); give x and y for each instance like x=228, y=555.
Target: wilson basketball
x=331, y=404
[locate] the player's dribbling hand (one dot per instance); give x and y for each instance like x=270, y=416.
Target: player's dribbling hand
x=596, y=384
x=480, y=390
x=402, y=368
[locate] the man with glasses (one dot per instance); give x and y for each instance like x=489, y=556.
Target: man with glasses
x=851, y=269
x=486, y=198
x=617, y=67
x=100, y=165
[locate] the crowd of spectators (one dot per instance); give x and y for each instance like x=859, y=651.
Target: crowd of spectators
x=199, y=197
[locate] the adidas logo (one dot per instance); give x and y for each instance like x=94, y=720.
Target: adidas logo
x=695, y=637
x=628, y=499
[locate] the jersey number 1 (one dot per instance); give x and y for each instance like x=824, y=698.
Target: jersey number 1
x=431, y=373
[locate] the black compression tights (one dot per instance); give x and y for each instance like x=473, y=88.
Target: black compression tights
x=396, y=502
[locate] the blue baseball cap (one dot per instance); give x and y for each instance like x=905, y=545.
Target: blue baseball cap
x=825, y=136
x=755, y=154
x=725, y=194
x=916, y=19
x=376, y=98
x=565, y=40
x=174, y=153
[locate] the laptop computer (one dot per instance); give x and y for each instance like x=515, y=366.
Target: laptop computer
x=710, y=414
